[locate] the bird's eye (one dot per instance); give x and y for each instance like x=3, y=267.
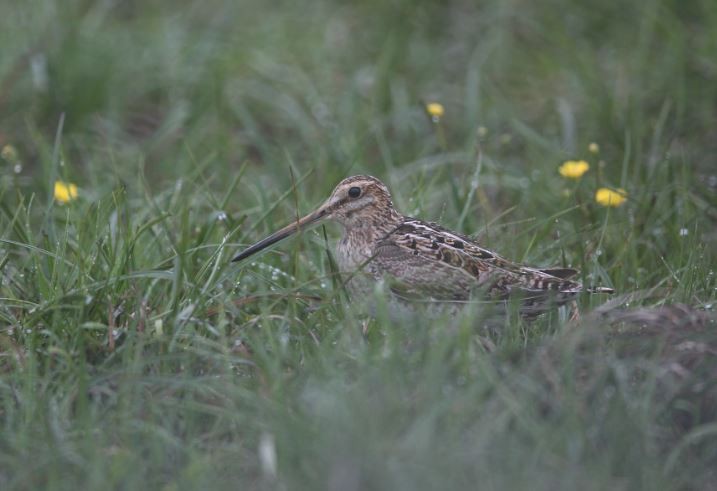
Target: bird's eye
x=354, y=192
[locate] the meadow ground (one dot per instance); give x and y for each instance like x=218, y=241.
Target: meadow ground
x=134, y=355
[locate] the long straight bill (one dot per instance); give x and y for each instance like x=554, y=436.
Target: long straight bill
x=282, y=234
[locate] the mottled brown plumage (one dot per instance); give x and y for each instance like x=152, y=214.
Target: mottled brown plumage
x=421, y=260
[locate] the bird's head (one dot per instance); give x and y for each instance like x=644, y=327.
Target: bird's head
x=356, y=202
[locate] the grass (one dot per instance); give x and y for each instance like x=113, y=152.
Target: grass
x=134, y=355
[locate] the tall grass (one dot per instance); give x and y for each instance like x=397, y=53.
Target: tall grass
x=134, y=355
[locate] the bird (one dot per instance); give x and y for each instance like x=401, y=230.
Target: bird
x=423, y=263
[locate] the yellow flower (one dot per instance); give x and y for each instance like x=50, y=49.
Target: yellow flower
x=573, y=169
x=611, y=197
x=65, y=191
x=593, y=148
x=435, y=110
x=9, y=153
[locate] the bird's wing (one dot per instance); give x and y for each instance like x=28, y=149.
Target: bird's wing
x=427, y=260
x=419, y=276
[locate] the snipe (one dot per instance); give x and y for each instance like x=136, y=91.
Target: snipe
x=422, y=261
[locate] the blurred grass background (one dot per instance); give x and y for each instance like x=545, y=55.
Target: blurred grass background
x=133, y=355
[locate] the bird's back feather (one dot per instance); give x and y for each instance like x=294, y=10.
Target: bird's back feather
x=425, y=259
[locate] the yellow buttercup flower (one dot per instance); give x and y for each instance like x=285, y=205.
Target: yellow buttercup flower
x=65, y=191
x=611, y=197
x=594, y=148
x=435, y=110
x=573, y=169
x=9, y=153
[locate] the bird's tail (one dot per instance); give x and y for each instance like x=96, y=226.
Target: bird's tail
x=599, y=289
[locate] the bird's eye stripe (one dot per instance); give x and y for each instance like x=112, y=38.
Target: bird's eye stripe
x=355, y=192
